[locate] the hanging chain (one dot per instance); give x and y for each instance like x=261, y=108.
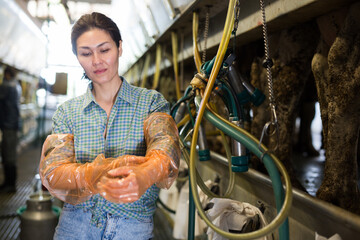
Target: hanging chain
x=237, y=16
x=206, y=32
x=268, y=64
x=236, y=22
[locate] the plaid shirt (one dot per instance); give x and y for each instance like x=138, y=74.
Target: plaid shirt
x=86, y=120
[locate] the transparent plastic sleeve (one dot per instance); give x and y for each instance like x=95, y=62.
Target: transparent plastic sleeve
x=161, y=133
x=68, y=180
x=129, y=183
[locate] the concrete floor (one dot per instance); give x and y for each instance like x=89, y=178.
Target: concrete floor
x=27, y=163
x=310, y=171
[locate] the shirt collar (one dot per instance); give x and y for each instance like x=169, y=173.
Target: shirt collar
x=125, y=94
x=88, y=97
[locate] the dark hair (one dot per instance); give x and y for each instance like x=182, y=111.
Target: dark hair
x=11, y=71
x=94, y=20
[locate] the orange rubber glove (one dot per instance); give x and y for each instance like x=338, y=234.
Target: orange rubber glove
x=161, y=162
x=68, y=180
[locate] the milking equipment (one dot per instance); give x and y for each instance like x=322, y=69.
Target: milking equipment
x=219, y=76
x=39, y=217
x=237, y=92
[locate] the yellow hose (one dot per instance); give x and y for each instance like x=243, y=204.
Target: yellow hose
x=230, y=187
x=217, y=64
x=213, y=133
x=145, y=70
x=195, y=28
x=183, y=121
x=129, y=75
x=136, y=75
x=157, y=67
x=174, y=41
x=199, y=180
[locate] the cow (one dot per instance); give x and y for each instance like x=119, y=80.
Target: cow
x=327, y=47
x=336, y=68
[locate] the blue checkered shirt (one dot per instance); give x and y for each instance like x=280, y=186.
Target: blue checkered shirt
x=86, y=120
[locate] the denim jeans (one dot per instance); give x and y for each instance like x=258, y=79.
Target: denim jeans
x=74, y=224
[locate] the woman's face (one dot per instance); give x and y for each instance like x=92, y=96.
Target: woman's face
x=98, y=55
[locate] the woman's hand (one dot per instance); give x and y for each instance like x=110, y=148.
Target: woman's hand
x=128, y=183
x=124, y=184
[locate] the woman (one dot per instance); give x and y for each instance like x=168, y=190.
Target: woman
x=111, y=148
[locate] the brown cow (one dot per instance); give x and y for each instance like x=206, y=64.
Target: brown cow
x=336, y=68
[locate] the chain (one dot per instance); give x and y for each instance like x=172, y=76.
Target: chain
x=206, y=32
x=237, y=16
x=268, y=64
x=236, y=22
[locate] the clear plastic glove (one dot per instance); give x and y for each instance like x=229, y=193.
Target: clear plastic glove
x=129, y=183
x=160, y=166
x=68, y=180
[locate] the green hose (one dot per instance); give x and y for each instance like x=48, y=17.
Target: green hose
x=273, y=173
